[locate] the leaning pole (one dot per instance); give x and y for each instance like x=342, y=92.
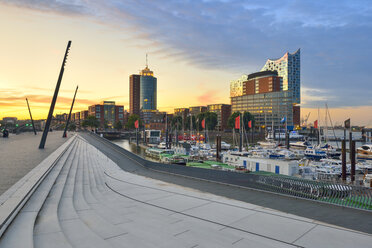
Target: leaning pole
x=50, y=115
x=69, y=115
x=32, y=121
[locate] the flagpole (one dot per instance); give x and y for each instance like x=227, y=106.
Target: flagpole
x=137, y=136
x=240, y=139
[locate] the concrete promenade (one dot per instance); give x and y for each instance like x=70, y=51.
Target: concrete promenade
x=20, y=153
x=331, y=214
x=84, y=199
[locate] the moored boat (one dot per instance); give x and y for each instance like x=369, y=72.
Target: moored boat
x=365, y=151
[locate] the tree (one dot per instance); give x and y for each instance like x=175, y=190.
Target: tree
x=187, y=122
x=246, y=118
x=177, y=122
x=131, y=121
x=211, y=120
x=91, y=121
x=118, y=125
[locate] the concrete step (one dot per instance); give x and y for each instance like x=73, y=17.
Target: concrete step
x=47, y=227
x=20, y=231
x=75, y=229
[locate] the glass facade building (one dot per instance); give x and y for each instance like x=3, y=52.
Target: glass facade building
x=268, y=108
x=236, y=86
x=109, y=112
x=148, y=90
x=223, y=112
x=289, y=68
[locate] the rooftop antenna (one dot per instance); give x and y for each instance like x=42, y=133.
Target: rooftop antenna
x=147, y=65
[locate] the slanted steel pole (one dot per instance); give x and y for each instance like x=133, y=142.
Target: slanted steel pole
x=50, y=115
x=32, y=121
x=69, y=115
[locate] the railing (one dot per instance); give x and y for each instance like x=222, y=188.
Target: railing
x=326, y=192
x=333, y=193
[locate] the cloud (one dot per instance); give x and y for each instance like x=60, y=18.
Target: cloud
x=238, y=36
x=208, y=97
x=16, y=99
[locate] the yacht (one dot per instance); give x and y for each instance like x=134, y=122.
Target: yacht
x=331, y=151
x=365, y=151
x=315, y=153
x=225, y=146
x=302, y=145
x=162, y=145
x=267, y=144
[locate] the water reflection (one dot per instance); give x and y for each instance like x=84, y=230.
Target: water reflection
x=133, y=148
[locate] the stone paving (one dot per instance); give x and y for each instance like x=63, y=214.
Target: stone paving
x=20, y=153
x=88, y=201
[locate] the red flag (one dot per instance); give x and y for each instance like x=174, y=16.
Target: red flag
x=316, y=124
x=203, y=123
x=250, y=124
x=237, y=122
x=136, y=124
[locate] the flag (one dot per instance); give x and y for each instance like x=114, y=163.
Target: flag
x=237, y=122
x=283, y=120
x=136, y=124
x=316, y=124
x=203, y=123
x=347, y=123
x=250, y=124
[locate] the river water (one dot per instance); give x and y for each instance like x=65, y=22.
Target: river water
x=132, y=148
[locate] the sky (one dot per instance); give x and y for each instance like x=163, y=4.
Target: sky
x=195, y=49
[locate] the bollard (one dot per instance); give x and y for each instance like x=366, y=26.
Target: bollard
x=218, y=147
x=287, y=139
x=350, y=141
x=343, y=155
x=352, y=155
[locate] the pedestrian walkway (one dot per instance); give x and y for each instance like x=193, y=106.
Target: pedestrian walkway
x=85, y=200
x=20, y=153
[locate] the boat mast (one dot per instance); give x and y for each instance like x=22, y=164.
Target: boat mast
x=326, y=126
x=333, y=129
x=318, y=126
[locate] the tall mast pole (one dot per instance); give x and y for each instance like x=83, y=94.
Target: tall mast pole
x=32, y=121
x=50, y=114
x=241, y=134
x=69, y=115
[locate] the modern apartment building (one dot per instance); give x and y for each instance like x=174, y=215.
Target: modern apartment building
x=107, y=113
x=223, y=112
x=134, y=94
x=197, y=110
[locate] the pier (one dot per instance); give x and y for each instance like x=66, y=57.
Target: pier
x=91, y=193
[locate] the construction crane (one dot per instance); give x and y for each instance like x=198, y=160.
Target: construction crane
x=306, y=118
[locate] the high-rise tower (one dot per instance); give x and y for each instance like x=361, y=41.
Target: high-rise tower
x=134, y=94
x=148, y=89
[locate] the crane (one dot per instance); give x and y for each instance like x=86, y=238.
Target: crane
x=306, y=118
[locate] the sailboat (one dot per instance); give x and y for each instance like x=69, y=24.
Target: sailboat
x=329, y=149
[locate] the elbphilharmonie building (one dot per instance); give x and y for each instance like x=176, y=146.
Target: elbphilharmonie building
x=288, y=67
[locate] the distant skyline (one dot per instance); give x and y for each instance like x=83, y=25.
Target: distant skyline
x=195, y=49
